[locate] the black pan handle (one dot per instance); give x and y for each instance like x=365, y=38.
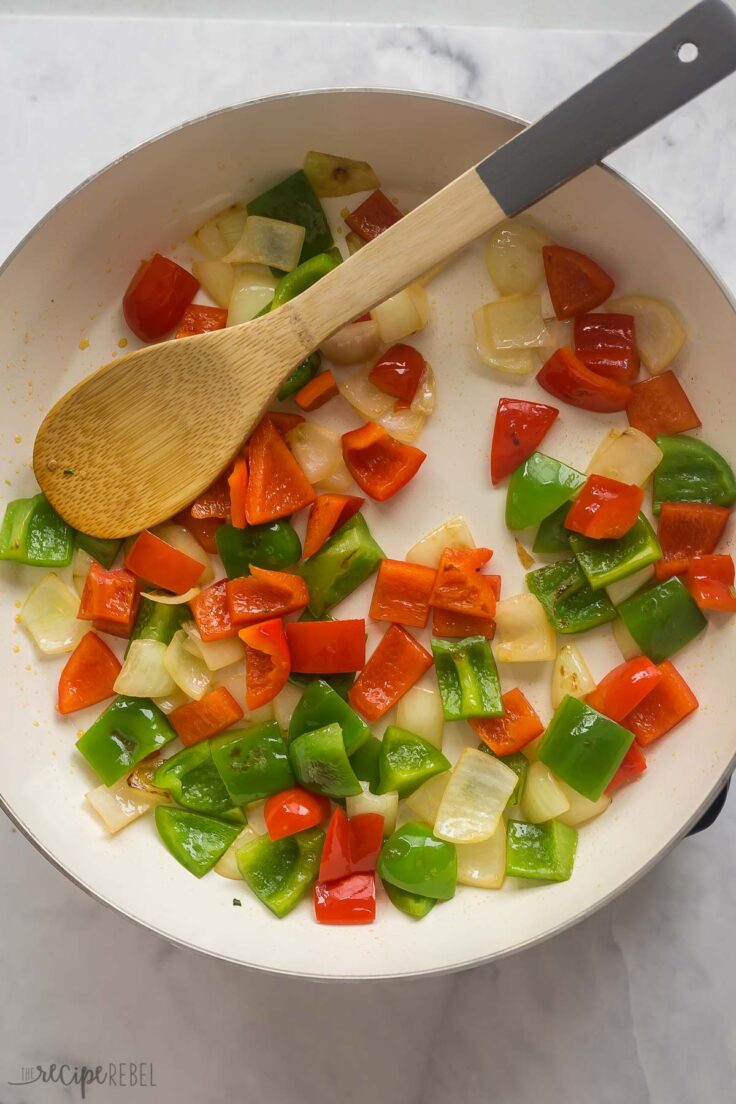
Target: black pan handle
x=712, y=813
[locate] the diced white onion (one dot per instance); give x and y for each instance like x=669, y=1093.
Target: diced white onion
x=513, y=256
x=375, y=405
x=120, y=804
x=531, y=749
x=216, y=279
x=49, y=613
x=386, y=805
x=659, y=331
x=215, y=653
x=483, y=864
x=209, y=241
x=285, y=703
x=255, y=812
x=316, y=449
x=227, y=865
x=171, y=701
x=403, y=314
x=353, y=344
x=420, y=711
x=516, y=362
x=561, y=330
x=231, y=223
x=171, y=599
x=425, y=801
x=267, y=241
x=364, y=396
x=339, y=481
x=627, y=455
x=515, y=322
x=619, y=591
x=354, y=242
x=526, y=634
x=188, y=672
x=453, y=533
x=81, y=564
x=581, y=809
x=183, y=541
x=570, y=675
x=233, y=679
x=542, y=798
x=252, y=290
x=143, y=673
x=475, y=798
x=624, y=640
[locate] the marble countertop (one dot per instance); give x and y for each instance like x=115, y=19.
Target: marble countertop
x=634, y=1004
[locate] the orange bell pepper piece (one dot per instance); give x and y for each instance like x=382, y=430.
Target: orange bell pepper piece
x=670, y=702
x=212, y=613
x=160, y=563
x=238, y=486
x=317, y=392
x=214, y=502
x=110, y=600
x=632, y=766
x=605, y=509
x=199, y=319
x=710, y=581
x=267, y=662
x=328, y=513
x=660, y=406
x=283, y=421
x=397, y=663
x=519, y=725
x=202, y=529
x=378, y=463
x=624, y=688
x=265, y=595
x=326, y=647
x=199, y=720
x=277, y=486
x=402, y=593
x=687, y=529
x=374, y=215
x=461, y=589
x=576, y=283
x=88, y=676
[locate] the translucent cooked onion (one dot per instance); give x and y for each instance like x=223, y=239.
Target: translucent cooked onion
x=516, y=362
x=49, y=614
x=420, y=711
x=285, y=703
x=316, y=449
x=267, y=241
x=453, y=533
x=216, y=279
x=354, y=242
x=209, y=241
x=386, y=805
x=570, y=675
x=231, y=223
x=216, y=653
x=403, y=314
x=227, y=865
x=364, y=396
x=513, y=256
x=252, y=289
x=475, y=797
x=375, y=405
x=516, y=322
x=81, y=564
x=144, y=674
x=171, y=599
x=529, y=751
x=338, y=176
x=425, y=801
x=233, y=679
x=542, y=799
x=526, y=634
x=119, y=805
x=339, y=481
x=353, y=344
x=660, y=332
x=172, y=701
x=624, y=640
x=627, y=455
x=581, y=809
x=483, y=864
x=181, y=539
x=618, y=592
x=188, y=672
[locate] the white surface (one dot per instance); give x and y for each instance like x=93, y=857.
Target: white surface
x=644, y=986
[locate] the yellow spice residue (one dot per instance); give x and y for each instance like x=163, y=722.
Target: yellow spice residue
x=28, y=667
x=122, y=342
x=80, y=733
x=17, y=438
x=16, y=648
x=17, y=603
x=84, y=343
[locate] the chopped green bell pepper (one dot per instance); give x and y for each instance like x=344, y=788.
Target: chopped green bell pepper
x=542, y=851
x=196, y=841
x=293, y=200
x=416, y=861
x=252, y=762
x=364, y=762
x=569, y=601
x=691, y=471
x=406, y=761
x=606, y=561
x=300, y=377
x=662, y=619
x=413, y=904
x=33, y=533
x=340, y=683
x=320, y=705
x=342, y=564
x=519, y=764
x=467, y=678
x=99, y=548
x=273, y=545
x=279, y=872
x=157, y=621
x=552, y=536
x=583, y=748
x=538, y=488
x=302, y=277
x=321, y=764
x=128, y=731
x=193, y=780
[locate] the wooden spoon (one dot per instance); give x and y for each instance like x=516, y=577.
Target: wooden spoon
x=134, y=443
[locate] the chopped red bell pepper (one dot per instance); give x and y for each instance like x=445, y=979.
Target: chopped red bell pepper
x=624, y=688
x=568, y=379
x=212, y=613
x=335, y=860
x=398, y=372
x=659, y=405
x=456, y=626
x=402, y=593
x=397, y=663
x=328, y=513
x=88, y=676
x=669, y=703
x=110, y=600
x=462, y=589
x=351, y=900
x=157, y=562
x=214, y=502
x=633, y=765
x=237, y=484
x=374, y=215
x=605, y=509
x=317, y=391
x=687, y=529
x=576, y=283
x=519, y=725
x=277, y=486
x=519, y=429
x=466, y=559
x=293, y=811
x=326, y=647
x=378, y=463
x=267, y=662
x=157, y=297
x=199, y=319
x=264, y=595
x=199, y=720
x=351, y=846
x=710, y=581
x=606, y=344
x=284, y=422
x=202, y=529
